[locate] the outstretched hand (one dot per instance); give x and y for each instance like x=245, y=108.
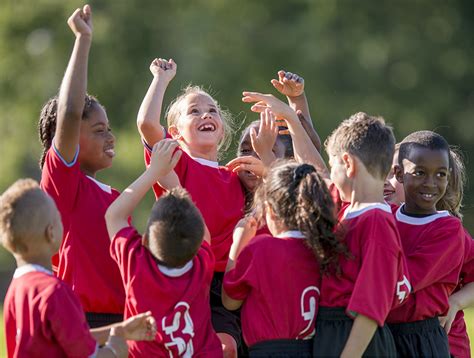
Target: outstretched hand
x=289, y=84
x=248, y=163
x=141, y=327
x=267, y=101
x=164, y=157
x=80, y=21
x=165, y=70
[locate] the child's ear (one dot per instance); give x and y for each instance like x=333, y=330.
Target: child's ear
x=398, y=171
x=174, y=132
x=49, y=233
x=349, y=164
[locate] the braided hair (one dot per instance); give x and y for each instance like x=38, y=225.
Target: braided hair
x=48, y=119
x=300, y=198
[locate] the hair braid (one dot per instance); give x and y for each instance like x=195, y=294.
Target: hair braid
x=47, y=126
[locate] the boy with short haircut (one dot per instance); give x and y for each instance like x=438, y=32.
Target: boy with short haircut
x=43, y=317
x=168, y=270
x=433, y=242
x=355, y=302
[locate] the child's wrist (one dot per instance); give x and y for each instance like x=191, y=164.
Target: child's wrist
x=82, y=36
x=300, y=96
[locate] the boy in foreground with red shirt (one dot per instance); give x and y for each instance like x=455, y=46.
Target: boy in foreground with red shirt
x=168, y=270
x=43, y=317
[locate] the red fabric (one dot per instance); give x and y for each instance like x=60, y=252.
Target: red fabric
x=434, y=253
x=180, y=304
x=278, y=279
x=43, y=318
x=219, y=196
x=84, y=261
x=375, y=279
x=459, y=344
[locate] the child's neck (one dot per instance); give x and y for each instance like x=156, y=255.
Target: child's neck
x=207, y=153
x=366, y=190
x=33, y=260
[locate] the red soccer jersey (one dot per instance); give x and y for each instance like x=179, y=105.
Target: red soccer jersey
x=376, y=278
x=217, y=193
x=43, y=317
x=178, y=299
x=278, y=279
x=84, y=260
x=434, y=250
x=459, y=344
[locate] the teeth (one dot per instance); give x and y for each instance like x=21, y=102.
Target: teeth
x=110, y=152
x=428, y=196
x=207, y=127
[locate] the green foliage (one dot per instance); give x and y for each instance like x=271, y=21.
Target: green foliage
x=409, y=61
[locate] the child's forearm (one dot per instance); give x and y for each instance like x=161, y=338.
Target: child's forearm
x=148, y=120
x=363, y=329
x=300, y=103
x=101, y=334
x=118, y=212
x=463, y=298
x=304, y=149
x=72, y=98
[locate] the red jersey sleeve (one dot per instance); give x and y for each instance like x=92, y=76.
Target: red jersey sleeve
x=61, y=179
x=374, y=289
x=121, y=248
x=207, y=257
x=68, y=323
x=467, y=270
x=239, y=281
x=432, y=259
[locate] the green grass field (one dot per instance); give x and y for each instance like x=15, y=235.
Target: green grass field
x=469, y=317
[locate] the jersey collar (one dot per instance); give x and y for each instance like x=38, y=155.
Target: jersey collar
x=351, y=214
x=175, y=272
x=419, y=221
x=23, y=270
x=294, y=234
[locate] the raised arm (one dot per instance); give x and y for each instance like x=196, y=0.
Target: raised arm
x=305, y=151
x=163, y=160
x=148, y=120
x=72, y=93
x=291, y=85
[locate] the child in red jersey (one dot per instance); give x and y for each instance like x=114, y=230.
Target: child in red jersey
x=168, y=270
x=356, y=301
x=463, y=295
x=280, y=301
x=202, y=129
x=43, y=317
x=433, y=242
x=78, y=142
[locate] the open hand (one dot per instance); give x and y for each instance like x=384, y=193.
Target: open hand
x=267, y=101
x=165, y=70
x=80, y=21
x=248, y=163
x=289, y=84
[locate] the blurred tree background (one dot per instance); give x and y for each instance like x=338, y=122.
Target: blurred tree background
x=409, y=61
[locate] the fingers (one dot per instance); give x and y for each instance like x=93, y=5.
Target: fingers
x=277, y=84
x=175, y=158
x=253, y=96
x=87, y=13
x=253, y=137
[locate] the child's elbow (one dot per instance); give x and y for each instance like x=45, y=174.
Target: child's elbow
x=230, y=303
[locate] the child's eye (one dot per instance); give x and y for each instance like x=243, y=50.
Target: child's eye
x=418, y=173
x=442, y=174
x=194, y=111
x=213, y=110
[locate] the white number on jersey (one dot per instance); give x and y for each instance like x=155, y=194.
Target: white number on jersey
x=309, y=298
x=179, y=330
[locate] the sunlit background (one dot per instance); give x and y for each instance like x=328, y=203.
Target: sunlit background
x=409, y=61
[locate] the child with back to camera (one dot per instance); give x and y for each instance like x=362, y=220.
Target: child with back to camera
x=202, y=128
x=280, y=302
x=78, y=142
x=43, y=317
x=168, y=270
x=433, y=242
x=355, y=303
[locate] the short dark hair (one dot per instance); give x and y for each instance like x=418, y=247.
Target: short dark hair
x=175, y=229
x=421, y=139
x=368, y=138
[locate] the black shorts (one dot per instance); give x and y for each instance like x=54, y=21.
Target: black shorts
x=333, y=327
x=223, y=320
x=424, y=338
x=96, y=320
x=282, y=348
